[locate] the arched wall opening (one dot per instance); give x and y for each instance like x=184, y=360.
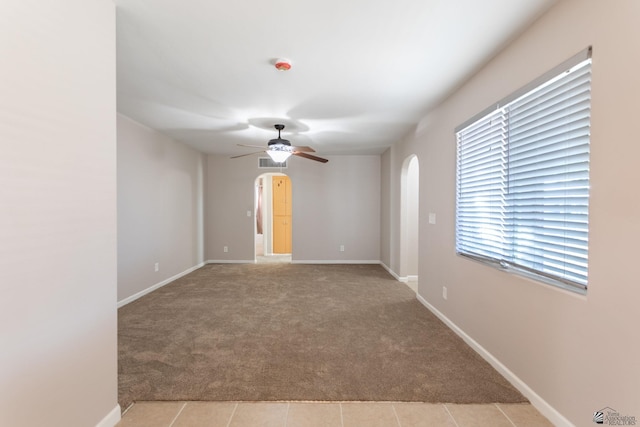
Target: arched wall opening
x=409, y=214
x=268, y=224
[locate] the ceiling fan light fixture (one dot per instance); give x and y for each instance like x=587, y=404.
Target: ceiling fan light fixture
x=279, y=156
x=280, y=149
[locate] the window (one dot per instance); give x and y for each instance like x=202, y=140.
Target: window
x=523, y=179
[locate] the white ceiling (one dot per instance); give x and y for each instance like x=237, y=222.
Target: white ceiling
x=364, y=72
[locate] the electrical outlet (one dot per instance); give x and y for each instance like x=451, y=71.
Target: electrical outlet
x=341, y=248
x=226, y=249
x=444, y=292
x=432, y=218
x=156, y=267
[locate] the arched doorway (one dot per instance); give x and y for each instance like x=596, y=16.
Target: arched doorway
x=409, y=214
x=273, y=214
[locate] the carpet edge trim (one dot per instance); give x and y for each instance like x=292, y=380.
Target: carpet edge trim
x=536, y=400
x=112, y=418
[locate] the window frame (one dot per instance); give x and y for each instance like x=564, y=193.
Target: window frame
x=498, y=109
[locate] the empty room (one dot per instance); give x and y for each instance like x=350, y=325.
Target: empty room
x=319, y=213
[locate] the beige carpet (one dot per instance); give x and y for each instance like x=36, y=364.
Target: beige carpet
x=265, y=332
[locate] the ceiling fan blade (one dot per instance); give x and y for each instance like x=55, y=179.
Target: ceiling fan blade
x=248, y=154
x=310, y=156
x=304, y=148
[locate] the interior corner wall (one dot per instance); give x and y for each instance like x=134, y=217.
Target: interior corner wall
x=58, y=363
x=576, y=354
x=385, y=208
x=160, y=208
x=336, y=203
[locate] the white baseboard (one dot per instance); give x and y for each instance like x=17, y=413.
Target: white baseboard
x=410, y=281
x=157, y=285
x=413, y=285
x=230, y=261
x=335, y=261
x=298, y=261
x=111, y=419
x=393, y=273
x=538, y=402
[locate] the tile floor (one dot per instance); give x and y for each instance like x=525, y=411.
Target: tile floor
x=327, y=414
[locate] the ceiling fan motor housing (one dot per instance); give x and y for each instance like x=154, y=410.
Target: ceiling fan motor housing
x=279, y=143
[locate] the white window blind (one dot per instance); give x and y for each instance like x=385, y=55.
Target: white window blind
x=523, y=180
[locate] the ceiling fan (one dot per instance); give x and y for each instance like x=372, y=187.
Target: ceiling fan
x=280, y=149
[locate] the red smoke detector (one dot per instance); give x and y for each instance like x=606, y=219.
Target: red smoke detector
x=283, y=64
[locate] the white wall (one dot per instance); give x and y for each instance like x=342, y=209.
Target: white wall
x=58, y=363
x=160, y=208
x=337, y=203
x=578, y=354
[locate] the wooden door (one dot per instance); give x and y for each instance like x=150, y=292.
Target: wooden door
x=281, y=215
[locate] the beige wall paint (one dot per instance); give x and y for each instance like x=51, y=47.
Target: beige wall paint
x=58, y=363
x=578, y=353
x=385, y=207
x=230, y=190
x=160, y=207
x=337, y=203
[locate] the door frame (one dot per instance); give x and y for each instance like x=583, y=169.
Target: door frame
x=267, y=212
